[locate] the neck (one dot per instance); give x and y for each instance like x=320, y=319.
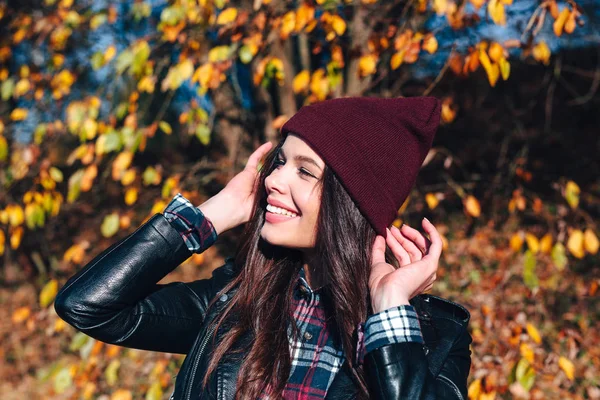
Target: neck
x=312, y=270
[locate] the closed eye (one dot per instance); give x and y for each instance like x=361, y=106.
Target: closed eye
x=302, y=171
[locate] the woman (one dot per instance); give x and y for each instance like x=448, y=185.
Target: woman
x=313, y=305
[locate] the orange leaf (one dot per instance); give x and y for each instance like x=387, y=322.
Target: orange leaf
x=559, y=23
x=20, y=314
x=472, y=206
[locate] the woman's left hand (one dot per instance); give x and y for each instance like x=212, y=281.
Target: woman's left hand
x=418, y=258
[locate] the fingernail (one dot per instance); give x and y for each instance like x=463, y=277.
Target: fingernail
x=425, y=218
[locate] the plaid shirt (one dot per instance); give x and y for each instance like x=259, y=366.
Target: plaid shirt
x=316, y=357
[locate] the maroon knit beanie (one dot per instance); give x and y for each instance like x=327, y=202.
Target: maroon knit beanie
x=375, y=146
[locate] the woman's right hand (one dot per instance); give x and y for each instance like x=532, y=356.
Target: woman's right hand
x=232, y=206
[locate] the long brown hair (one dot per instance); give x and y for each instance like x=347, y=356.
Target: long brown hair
x=266, y=278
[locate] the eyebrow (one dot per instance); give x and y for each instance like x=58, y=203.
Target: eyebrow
x=303, y=158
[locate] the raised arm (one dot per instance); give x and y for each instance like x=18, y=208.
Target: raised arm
x=115, y=298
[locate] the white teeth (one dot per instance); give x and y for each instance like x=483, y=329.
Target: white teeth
x=282, y=211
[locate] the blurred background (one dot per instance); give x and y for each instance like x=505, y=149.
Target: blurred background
x=108, y=109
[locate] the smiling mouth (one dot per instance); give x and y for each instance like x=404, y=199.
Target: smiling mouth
x=280, y=211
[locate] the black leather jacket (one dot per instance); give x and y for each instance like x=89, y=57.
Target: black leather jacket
x=115, y=298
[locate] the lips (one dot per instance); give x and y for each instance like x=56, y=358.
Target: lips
x=280, y=204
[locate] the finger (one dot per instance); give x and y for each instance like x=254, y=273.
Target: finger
x=378, y=252
x=258, y=154
x=435, y=250
x=414, y=235
x=415, y=253
x=399, y=252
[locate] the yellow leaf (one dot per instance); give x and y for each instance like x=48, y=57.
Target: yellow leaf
x=397, y=59
x=527, y=352
x=20, y=314
x=575, y=243
x=546, y=243
x=472, y=206
x=146, y=84
x=516, y=241
x=440, y=6
x=226, y=16
x=567, y=366
x=87, y=180
x=504, y=68
x=158, y=207
x=572, y=194
x=430, y=44
x=496, y=52
x=541, y=53
x=2, y=241
x=590, y=241
x=319, y=85
x=128, y=177
x=492, y=70
x=48, y=293
x=497, y=13
x=219, y=53
x=533, y=333
x=367, y=65
x=121, y=394
x=301, y=81
x=131, y=196
x=338, y=25
x=165, y=127
x=110, y=53
x=120, y=164
x=15, y=237
x=532, y=243
x=477, y=3
x=559, y=23
x=18, y=114
x=74, y=254
x=22, y=87
x=288, y=24
x=432, y=200
x=474, y=389
x=448, y=112
x=16, y=216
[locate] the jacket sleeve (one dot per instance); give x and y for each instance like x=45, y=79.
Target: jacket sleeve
x=115, y=298
x=401, y=371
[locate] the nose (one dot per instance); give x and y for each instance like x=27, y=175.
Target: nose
x=276, y=181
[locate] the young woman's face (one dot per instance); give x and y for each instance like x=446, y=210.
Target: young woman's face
x=294, y=196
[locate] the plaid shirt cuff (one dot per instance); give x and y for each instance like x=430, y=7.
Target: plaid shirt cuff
x=395, y=325
x=195, y=228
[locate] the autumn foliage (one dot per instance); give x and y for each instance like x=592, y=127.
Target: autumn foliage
x=104, y=157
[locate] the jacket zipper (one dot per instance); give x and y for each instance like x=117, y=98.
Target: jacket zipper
x=453, y=385
x=197, y=361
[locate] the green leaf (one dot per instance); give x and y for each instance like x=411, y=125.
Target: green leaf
x=111, y=372
x=559, y=256
x=75, y=186
x=124, y=60
x=8, y=86
x=110, y=225
x=121, y=110
x=97, y=20
x=140, y=11
x=78, y=341
x=97, y=60
x=165, y=127
x=529, y=276
x=203, y=134
x=149, y=176
x=155, y=392
x=56, y=174
x=142, y=52
x=39, y=133
x=245, y=54
x=62, y=380
x=110, y=141
x=3, y=148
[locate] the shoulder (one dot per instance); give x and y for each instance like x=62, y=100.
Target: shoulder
x=429, y=306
